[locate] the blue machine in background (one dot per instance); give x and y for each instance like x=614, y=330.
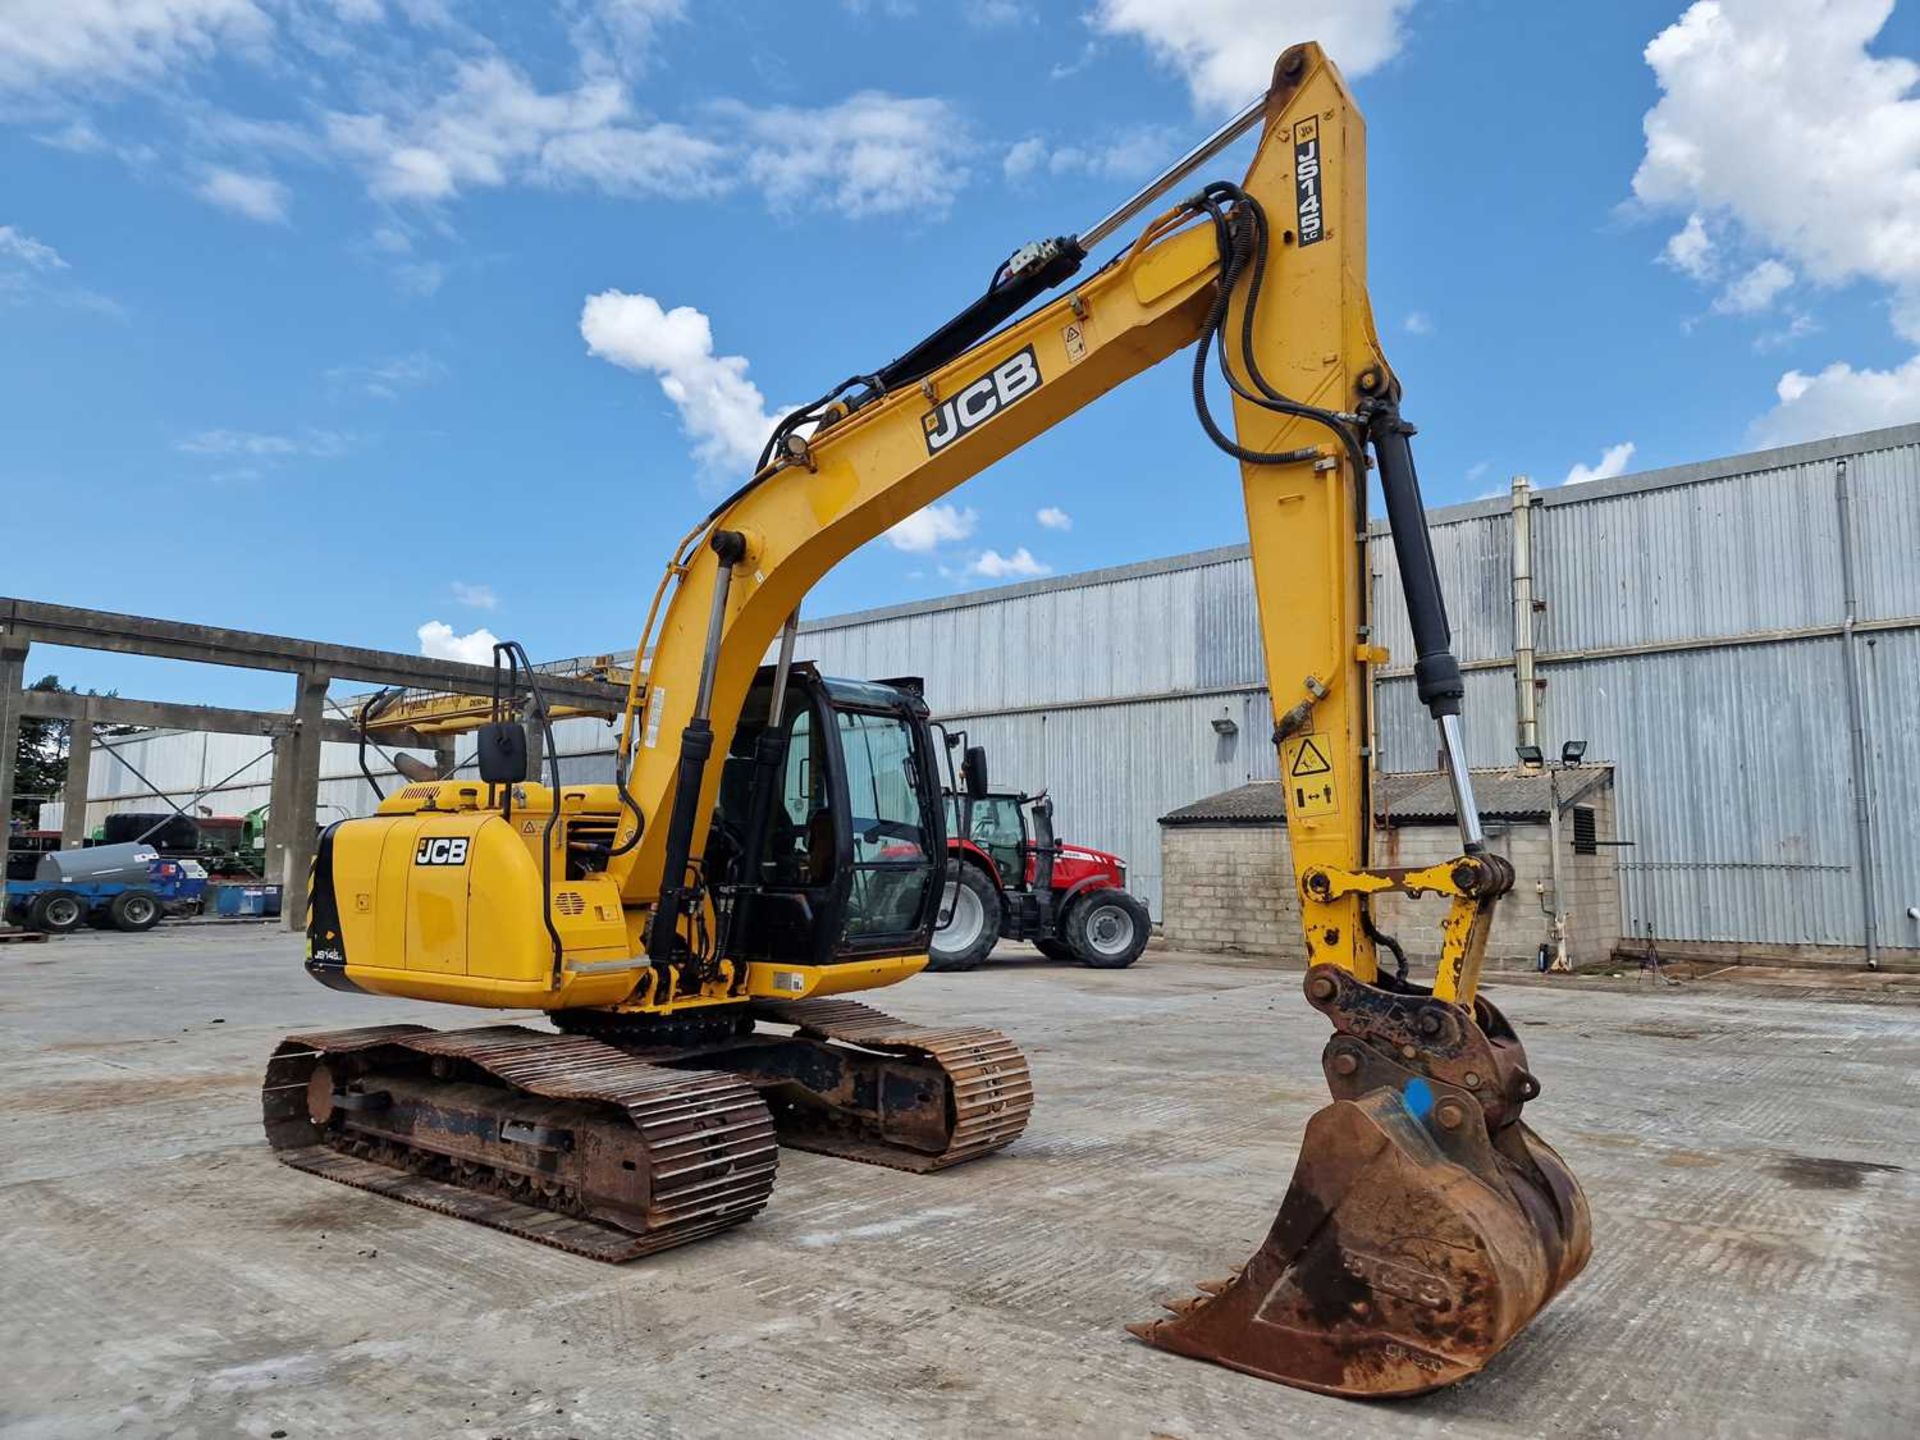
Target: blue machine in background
x=127, y=887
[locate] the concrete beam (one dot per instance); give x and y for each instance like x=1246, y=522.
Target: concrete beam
x=221, y=720
x=32, y=620
x=154, y=714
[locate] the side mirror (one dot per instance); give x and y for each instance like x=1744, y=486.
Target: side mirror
x=973, y=772
x=503, y=753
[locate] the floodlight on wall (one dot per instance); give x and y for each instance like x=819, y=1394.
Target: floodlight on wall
x=1572, y=751
x=1225, y=724
x=1530, y=755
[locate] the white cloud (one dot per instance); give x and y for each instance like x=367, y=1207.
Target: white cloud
x=1690, y=250
x=871, y=154
x=619, y=34
x=478, y=597
x=1225, y=49
x=254, y=197
x=19, y=246
x=931, y=527
x=439, y=642
x=1840, y=400
x=96, y=43
x=1024, y=157
x=1754, y=291
x=997, y=14
x=1052, y=517
x=721, y=410
x=1612, y=462
x=1134, y=153
x=494, y=128
x=386, y=379
x=1774, y=116
x=32, y=271
x=1020, y=565
x=317, y=444
x=1418, y=322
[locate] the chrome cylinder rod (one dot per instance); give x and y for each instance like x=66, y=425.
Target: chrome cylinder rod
x=1173, y=174
x=1453, y=754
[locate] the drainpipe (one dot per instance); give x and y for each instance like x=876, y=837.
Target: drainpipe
x=1526, y=696
x=1556, y=914
x=1856, y=720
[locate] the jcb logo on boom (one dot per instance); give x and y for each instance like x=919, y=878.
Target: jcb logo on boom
x=1014, y=377
x=441, y=850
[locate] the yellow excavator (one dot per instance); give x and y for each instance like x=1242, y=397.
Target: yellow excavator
x=773, y=840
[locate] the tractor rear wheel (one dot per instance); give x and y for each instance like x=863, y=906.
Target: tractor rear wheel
x=1108, y=929
x=972, y=907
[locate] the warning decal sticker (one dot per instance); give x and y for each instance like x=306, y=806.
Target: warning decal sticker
x=1310, y=784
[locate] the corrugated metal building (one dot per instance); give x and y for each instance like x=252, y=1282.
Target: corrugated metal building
x=1693, y=630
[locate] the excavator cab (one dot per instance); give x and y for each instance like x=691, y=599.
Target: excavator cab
x=828, y=841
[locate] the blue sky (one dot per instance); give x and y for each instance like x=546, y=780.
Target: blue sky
x=295, y=330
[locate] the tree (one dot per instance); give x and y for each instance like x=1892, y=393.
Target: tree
x=39, y=758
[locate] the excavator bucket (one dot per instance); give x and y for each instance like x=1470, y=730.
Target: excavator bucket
x=1425, y=1225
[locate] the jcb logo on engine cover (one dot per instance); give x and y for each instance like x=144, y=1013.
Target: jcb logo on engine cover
x=441, y=850
x=1013, y=378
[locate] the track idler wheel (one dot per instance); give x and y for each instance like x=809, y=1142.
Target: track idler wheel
x=1415, y=1240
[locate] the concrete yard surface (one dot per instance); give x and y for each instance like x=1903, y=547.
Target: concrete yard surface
x=1753, y=1163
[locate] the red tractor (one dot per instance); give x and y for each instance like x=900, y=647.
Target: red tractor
x=1009, y=877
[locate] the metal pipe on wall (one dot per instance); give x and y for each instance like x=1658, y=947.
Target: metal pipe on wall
x=1856, y=719
x=1526, y=696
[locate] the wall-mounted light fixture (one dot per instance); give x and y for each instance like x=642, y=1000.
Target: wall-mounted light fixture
x=1225, y=724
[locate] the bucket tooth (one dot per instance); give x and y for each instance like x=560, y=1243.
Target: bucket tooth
x=1213, y=1287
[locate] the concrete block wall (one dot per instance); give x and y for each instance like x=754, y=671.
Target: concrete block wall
x=1231, y=888
x=1592, y=885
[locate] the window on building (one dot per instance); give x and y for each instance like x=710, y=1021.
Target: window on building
x=1586, y=839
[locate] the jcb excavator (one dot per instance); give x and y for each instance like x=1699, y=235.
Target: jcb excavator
x=688, y=928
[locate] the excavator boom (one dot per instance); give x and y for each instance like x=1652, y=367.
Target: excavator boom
x=718, y=884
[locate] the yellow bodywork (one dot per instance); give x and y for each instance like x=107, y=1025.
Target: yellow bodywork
x=479, y=937
x=438, y=897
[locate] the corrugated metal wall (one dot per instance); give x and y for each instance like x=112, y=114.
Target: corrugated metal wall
x=1690, y=633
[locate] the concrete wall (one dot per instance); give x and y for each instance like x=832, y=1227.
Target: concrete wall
x=1231, y=887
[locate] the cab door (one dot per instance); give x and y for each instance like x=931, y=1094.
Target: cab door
x=898, y=844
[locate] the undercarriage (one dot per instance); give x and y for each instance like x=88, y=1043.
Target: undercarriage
x=636, y=1133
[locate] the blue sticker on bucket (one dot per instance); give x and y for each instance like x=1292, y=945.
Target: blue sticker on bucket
x=1418, y=1098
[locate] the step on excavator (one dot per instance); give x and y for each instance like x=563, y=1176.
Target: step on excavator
x=773, y=843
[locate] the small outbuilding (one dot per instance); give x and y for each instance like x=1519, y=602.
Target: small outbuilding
x=1228, y=874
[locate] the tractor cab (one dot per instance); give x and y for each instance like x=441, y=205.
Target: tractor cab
x=828, y=841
